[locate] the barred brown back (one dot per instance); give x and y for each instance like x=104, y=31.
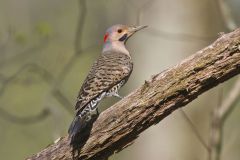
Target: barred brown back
x=106, y=72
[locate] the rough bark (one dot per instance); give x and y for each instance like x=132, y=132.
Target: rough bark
x=118, y=126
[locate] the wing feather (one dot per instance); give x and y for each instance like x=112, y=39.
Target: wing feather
x=107, y=71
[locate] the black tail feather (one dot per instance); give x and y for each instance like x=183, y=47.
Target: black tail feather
x=79, y=130
x=75, y=126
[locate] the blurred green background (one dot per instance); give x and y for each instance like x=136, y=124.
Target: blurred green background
x=47, y=47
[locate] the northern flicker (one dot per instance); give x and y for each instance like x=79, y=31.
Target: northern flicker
x=108, y=73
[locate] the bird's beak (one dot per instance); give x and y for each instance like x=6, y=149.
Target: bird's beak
x=134, y=29
x=130, y=31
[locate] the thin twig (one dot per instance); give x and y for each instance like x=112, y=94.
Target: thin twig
x=194, y=129
x=222, y=111
x=179, y=36
x=168, y=35
x=25, y=54
x=226, y=15
x=24, y=120
x=63, y=100
x=78, y=49
x=215, y=138
x=45, y=75
x=80, y=25
x=78, y=46
x=141, y=10
x=219, y=116
x=6, y=40
x=229, y=103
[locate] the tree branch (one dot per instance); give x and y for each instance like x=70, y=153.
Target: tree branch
x=118, y=126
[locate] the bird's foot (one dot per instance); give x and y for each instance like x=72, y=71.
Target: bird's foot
x=118, y=96
x=97, y=112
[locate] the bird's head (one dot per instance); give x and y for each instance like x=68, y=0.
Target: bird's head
x=120, y=33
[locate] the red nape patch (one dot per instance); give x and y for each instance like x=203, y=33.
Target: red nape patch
x=105, y=37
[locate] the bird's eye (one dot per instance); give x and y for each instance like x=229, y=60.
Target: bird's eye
x=119, y=30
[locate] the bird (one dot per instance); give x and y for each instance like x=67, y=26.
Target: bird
x=107, y=75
